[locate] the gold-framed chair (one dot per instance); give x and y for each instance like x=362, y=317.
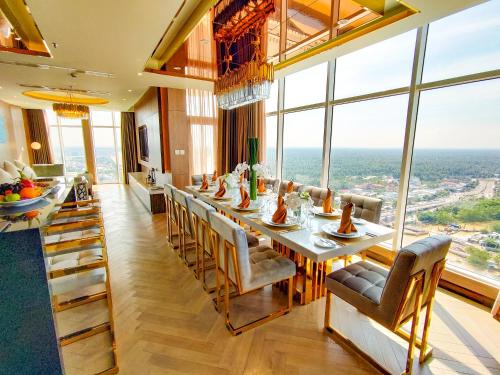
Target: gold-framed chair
x=77, y=259
x=185, y=225
x=247, y=269
x=392, y=298
x=171, y=212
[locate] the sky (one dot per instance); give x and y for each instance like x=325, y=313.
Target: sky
x=465, y=116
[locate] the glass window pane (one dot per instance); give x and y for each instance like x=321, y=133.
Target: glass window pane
x=311, y=81
x=55, y=144
x=303, y=146
x=101, y=118
x=51, y=117
x=272, y=103
x=464, y=43
x=118, y=142
x=70, y=121
x=382, y=66
x=367, y=147
x=202, y=139
x=74, y=151
x=117, y=119
x=455, y=174
x=271, y=140
x=105, y=156
x=273, y=31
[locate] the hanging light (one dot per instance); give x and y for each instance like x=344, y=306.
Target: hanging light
x=71, y=109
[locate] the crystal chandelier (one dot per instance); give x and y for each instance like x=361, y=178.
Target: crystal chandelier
x=71, y=110
x=243, y=75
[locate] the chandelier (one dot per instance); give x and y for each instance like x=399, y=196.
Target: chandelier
x=243, y=75
x=71, y=110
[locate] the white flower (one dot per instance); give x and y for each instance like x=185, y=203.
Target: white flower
x=261, y=170
x=241, y=168
x=293, y=200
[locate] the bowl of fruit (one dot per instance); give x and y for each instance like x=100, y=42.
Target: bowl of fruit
x=22, y=192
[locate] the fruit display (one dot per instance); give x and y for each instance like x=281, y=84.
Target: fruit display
x=21, y=189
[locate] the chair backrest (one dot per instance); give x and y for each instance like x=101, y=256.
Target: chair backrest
x=421, y=255
x=274, y=182
x=317, y=194
x=202, y=211
x=284, y=186
x=168, y=192
x=184, y=199
x=196, y=179
x=231, y=232
x=367, y=208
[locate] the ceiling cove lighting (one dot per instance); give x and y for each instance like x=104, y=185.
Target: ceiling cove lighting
x=243, y=75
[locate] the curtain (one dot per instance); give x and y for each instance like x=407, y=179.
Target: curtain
x=235, y=127
x=202, y=120
x=200, y=52
x=38, y=132
x=129, y=145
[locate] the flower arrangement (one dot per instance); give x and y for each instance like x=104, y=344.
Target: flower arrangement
x=232, y=179
x=261, y=170
x=241, y=168
x=293, y=200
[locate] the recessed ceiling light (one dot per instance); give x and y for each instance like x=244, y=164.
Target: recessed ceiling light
x=124, y=99
x=15, y=96
x=17, y=37
x=1, y=87
x=177, y=68
x=139, y=74
x=129, y=90
x=342, y=22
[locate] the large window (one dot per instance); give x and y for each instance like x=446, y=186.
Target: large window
x=271, y=140
x=367, y=146
x=455, y=186
x=382, y=66
x=454, y=179
x=303, y=146
x=107, y=152
x=67, y=143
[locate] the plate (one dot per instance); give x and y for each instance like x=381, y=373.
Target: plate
x=319, y=211
x=325, y=243
x=358, y=221
x=223, y=198
x=262, y=194
x=26, y=202
x=289, y=222
x=254, y=206
x=332, y=228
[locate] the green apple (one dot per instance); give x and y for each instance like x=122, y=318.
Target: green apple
x=12, y=197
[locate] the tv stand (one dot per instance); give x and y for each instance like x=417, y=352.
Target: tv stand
x=151, y=197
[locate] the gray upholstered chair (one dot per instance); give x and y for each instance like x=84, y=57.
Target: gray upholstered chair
x=365, y=207
x=185, y=224
x=171, y=213
x=392, y=298
x=317, y=194
x=284, y=186
x=274, y=182
x=197, y=178
x=246, y=268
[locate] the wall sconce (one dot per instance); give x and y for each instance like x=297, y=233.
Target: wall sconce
x=36, y=145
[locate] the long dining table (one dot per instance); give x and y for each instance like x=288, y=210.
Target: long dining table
x=299, y=242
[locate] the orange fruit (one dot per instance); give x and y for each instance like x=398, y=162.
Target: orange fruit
x=29, y=192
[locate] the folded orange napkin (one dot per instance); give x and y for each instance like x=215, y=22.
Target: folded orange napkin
x=262, y=186
x=222, y=189
x=279, y=217
x=327, y=203
x=204, y=183
x=289, y=188
x=245, y=198
x=214, y=176
x=346, y=226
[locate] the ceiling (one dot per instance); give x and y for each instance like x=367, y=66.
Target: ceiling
x=118, y=37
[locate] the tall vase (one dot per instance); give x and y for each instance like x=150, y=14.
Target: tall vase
x=253, y=150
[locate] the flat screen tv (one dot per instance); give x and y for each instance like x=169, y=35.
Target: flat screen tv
x=143, y=143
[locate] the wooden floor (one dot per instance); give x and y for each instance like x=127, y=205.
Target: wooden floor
x=166, y=323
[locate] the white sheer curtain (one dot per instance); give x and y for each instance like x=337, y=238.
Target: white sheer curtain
x=202, y=118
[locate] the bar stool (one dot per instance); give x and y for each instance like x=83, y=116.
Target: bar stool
x=77, y=260
x=247, y=269
x=185, y=224
x=171, y=214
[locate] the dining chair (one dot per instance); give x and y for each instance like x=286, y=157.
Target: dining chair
x=317, y=194
x=274, y=182
x=367, y=208
x=171, y=213
x=247, y=269
x=284, y=186
x=78, y=274
x=196, y=179
x=185, y=224
x=392, y=298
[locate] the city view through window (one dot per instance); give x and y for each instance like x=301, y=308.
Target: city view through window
x=454, y=184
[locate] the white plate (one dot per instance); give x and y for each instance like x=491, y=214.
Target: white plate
x=223, y=198
x=26, y=202
x=268, y=221
x=332, y=228
x=253, y=206
x=358, y=221
x=325, y=243
x=319, y=211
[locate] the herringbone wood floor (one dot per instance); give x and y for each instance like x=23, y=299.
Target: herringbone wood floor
x=166, y=323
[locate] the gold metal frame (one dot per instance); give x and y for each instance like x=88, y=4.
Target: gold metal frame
x=201, y=241
x=228, y=247
x=184, y=245
x=170, y=207
x=414, y=291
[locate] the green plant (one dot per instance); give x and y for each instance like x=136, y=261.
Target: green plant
x=477, y=257
x=496, y=259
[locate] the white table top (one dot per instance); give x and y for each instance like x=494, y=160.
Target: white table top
x=302, y=240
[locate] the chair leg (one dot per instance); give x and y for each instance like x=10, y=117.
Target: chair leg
x=425, y=353
x=327, y=309
x=414, y=327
